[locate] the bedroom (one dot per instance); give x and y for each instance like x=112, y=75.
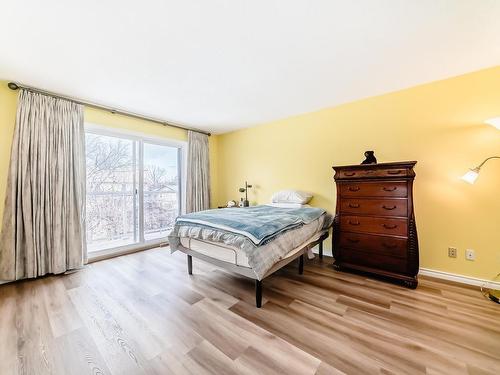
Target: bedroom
x=122, y=119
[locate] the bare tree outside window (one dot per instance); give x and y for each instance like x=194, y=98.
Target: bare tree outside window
x=161, y=190
x=112, y=200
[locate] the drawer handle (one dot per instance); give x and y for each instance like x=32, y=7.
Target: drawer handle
x=354, y=205
x=354, y=188
x=389, y=189
x=349, y=174
x=353, y=240
x=390, y=226
x=354, y=222
x=388, y=208
x=389, y=246
x=394, y=172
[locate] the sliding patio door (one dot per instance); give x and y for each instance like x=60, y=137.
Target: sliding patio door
x=161, y=186
x=134, y=189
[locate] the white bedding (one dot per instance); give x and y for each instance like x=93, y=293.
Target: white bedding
x=230, y=254
x=286, y=244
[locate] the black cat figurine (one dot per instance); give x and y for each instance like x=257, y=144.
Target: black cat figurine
x=370, y=158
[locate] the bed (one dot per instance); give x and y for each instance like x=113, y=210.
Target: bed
x=252, y=241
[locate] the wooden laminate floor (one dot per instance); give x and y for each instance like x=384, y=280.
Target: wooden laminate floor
x=142, y=314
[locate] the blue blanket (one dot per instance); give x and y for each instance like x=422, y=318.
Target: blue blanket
x=260, y=223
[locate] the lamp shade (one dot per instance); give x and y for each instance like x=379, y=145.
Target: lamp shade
x=494, y=122
x=471, y=176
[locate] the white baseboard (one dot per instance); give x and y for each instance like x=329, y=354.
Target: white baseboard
x=442, y=275
x=326, y=252
x=456, y=278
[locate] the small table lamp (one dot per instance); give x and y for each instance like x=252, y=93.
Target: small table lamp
x=245, y=190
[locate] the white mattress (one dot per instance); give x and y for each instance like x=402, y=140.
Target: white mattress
x=230, y=254
x=217, y=251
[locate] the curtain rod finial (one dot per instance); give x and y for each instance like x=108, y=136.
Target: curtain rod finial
x=12, y=85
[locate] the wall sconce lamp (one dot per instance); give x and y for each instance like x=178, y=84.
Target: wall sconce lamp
x=473, y=173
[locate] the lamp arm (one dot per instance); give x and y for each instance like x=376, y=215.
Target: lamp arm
x=484, y=162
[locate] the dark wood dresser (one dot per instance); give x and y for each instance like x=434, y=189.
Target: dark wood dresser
x=374, y=228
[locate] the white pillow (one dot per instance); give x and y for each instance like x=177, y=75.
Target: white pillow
x=291, y=196
x=288, y=205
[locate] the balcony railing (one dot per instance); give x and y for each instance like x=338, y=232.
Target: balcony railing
x=112, y=217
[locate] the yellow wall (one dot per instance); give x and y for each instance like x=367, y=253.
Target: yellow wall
x=439, y=124
x=8, y=104
x=8, y=100
x=108, y=119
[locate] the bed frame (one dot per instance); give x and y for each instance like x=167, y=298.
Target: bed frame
x=247, y=272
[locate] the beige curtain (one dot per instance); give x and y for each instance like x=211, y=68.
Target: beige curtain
x=43, y=225
x=198, y=173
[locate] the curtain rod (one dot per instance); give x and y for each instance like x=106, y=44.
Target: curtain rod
x=14, y=86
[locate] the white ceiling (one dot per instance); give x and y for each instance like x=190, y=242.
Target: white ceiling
x=221, y=65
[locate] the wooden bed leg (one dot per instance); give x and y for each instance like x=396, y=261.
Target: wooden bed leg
x=258, y=293
x=190, y=264
x=321, y=250
x=301, y=264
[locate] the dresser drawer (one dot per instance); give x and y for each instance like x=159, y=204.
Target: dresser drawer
x=372, y=173
x=380, y=207
x=374, y=189
x=383, y=245
x=371, y=260
x=377, y=225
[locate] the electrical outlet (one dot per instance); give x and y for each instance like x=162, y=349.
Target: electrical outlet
x=452, y=252
x=470, y=254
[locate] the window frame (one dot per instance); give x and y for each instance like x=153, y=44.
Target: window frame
x=141, y=138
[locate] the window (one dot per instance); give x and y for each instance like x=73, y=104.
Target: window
x=134, y=188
